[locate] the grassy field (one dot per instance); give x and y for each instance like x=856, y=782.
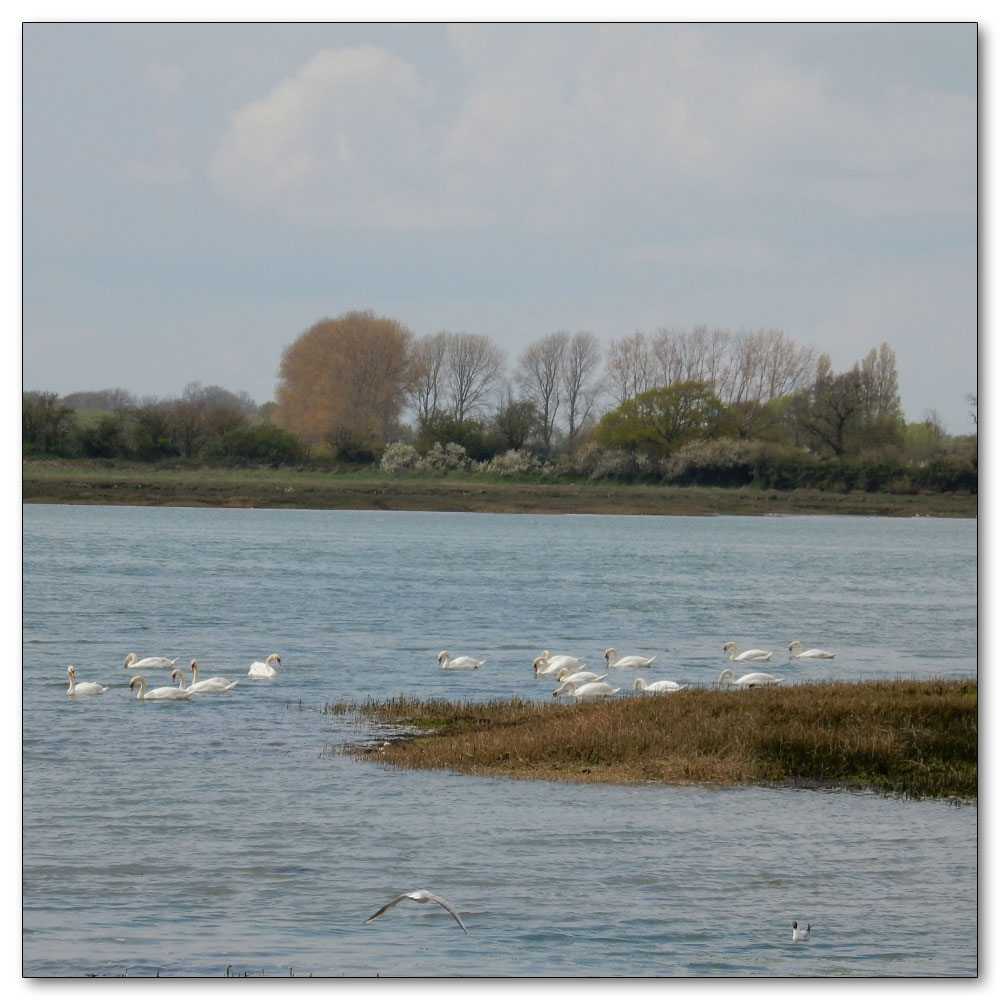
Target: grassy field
x=916, y=738
x=88, y=483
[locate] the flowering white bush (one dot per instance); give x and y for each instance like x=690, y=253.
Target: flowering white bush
x=512, y=462
x=438, y=459
x=399, y=456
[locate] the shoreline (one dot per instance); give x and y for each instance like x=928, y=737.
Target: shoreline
x=280, y=489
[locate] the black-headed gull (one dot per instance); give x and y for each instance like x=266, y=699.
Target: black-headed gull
x=800, y=933
x=420, y=896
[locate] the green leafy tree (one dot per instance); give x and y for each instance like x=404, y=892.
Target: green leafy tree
x=46, y=424
x=659, y=421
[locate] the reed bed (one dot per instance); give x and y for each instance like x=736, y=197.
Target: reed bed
x=906, y=737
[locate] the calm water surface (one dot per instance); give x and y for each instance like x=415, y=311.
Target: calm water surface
x=229, y=831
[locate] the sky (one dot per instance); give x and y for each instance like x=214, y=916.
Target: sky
x=196, y=195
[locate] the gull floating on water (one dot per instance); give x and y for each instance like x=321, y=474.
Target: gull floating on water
x=799, y=933
x=419, y=896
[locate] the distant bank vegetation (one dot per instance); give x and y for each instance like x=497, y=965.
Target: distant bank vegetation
x=691, y=407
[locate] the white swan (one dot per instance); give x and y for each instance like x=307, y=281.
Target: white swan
x=258, y=669
x=84, y=687
x=614, y=660
x=157, y=694
x=546, y=665
x=580, y=677
x=211, y=685
x=593, y=689
x=751, y=654
x=419, y=896
x=795, y=650
x=150, y=662
x=447, y=662
x=748, y=680
x=657, y=687
x=800, y=933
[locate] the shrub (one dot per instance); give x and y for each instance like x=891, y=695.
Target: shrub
x=722, y=462
x=513, y=462
x=399, y=457
x=452, y=456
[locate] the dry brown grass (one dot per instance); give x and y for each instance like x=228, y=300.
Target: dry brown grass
x=908, y=737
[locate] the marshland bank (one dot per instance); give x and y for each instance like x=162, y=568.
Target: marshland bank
x=55, y=481
x=903, y=737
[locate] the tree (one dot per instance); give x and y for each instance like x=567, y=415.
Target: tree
x=540, y=375
x=472, y=366
x=344, y=380
x=45, y=423
x=630, y=367
x=427, y=373
x=580, y=381
x=514, y=423
x=659, y=421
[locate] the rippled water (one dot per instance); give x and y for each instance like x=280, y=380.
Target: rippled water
x=228, y=831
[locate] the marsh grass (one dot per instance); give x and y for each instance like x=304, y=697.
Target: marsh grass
x=907, y=737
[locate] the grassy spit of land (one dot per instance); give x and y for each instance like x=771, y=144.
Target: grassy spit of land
x=56, y=481
x=907, y=737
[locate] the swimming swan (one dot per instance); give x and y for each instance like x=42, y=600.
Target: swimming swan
x=258, y=669
x=84, y=687
x=580, y=677
x=419, y=896
x=546, y=665
x=447, y=662
x=751, y=654
x=800, y=934
x=748, y=680
x=593, y=689
x=157, y=694
x=211, y=685
x=611, y=655
x=150, y=662
x=657, y=687
x=795, y=650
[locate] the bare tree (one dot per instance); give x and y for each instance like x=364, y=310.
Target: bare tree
x=472, y=365
x=539, y=375
x=580, y=380
x=630, y=367
x=427, y=373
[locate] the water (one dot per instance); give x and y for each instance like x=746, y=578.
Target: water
x=229, y=831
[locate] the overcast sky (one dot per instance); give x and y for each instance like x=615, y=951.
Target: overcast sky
x=196, y=195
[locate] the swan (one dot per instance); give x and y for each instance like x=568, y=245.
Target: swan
x=447, y=662
x=748, y=680
x=258, y=669
x=84, y=687
x=546, y=665
x=211, y=685
x=799, y=933
x=657, y=687
x=751, y=654
x=419, y=896
x=150, y=662
x=614, y=660
x=157, y=694
x=580, y=677
x=795, y=650
x=593, y=689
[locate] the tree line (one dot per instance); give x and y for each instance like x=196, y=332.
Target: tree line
x=699, y=405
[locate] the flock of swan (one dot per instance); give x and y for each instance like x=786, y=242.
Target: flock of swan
x=183, y=690
x=580, y=683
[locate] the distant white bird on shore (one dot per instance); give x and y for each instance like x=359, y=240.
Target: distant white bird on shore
x=258, y=669
x=657, y=687
x=800, y=933
x=150, y=662
x=614, y=660
x=419, y=896
x=447, y=662
x=751, y=654
x=83, y=687
x=748, y=680
x=796, y=651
